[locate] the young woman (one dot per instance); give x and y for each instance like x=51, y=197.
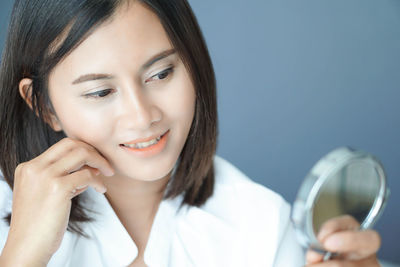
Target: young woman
x=108, y=138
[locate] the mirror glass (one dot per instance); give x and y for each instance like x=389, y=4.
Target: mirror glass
x=352, y=191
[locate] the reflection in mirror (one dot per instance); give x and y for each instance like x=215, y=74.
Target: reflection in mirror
x=350, y=191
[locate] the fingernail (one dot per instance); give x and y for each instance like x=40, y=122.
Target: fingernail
x=333, y=243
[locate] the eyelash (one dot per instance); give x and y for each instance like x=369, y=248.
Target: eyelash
x=167, y=71
x=106, y=92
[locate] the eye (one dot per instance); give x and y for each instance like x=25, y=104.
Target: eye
x=161, y=75
x=99, y=94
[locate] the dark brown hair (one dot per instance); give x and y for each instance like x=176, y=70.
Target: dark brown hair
x=37, y=24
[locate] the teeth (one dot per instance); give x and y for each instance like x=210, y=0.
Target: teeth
x=144, y=144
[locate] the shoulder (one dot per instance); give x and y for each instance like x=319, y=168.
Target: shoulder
x=235, y=188
x=249, y=202
x=241, y=216
x=229, y=176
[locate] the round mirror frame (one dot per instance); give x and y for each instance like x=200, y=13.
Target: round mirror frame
x=330, y=164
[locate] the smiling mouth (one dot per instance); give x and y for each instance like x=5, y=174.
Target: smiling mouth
x=142, y=145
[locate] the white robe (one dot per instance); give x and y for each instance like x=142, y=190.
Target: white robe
x=242, y=224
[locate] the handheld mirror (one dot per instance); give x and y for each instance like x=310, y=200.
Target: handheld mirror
x=344, y=182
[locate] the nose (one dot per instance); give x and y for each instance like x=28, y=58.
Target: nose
x=138, y=111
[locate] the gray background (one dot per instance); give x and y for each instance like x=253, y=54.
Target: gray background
x=297, y=79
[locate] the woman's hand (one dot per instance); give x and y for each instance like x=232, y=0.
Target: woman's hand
x=355, y=247
x=42, y=193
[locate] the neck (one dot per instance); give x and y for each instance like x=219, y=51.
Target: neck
x=128, y=195
x=135, y=203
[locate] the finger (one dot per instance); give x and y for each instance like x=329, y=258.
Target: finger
x=79, y=157
x=56, y=151
x=78, y=182
x=345, y=222
x=369, y=262
x=313, y=257
x=355, y=244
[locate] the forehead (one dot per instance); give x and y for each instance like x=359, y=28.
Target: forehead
x=131, y=36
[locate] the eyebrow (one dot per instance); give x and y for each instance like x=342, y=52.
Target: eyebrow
x=148, y=64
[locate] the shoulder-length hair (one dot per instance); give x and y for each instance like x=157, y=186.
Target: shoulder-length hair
x=30, y=53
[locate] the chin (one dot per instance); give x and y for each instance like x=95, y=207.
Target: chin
x=149, y=173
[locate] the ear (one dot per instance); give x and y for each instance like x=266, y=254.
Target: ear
x=25, y=90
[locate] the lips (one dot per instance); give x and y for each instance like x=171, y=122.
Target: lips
x=147, y=149
x=144, y=141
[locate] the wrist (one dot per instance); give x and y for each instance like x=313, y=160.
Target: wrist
x=14, y=255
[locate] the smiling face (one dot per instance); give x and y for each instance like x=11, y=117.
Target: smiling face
x=123, y=85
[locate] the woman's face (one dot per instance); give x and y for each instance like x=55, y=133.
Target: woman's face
x=125, y=83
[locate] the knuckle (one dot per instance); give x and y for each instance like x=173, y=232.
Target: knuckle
x=25, y=170
x=82, y=151
x=19, y=169
x=18, y=173
x=68, y=142
x=76, y=143
x=29, y=170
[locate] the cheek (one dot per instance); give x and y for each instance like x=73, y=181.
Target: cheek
x=83, y=124
x=182, y=100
